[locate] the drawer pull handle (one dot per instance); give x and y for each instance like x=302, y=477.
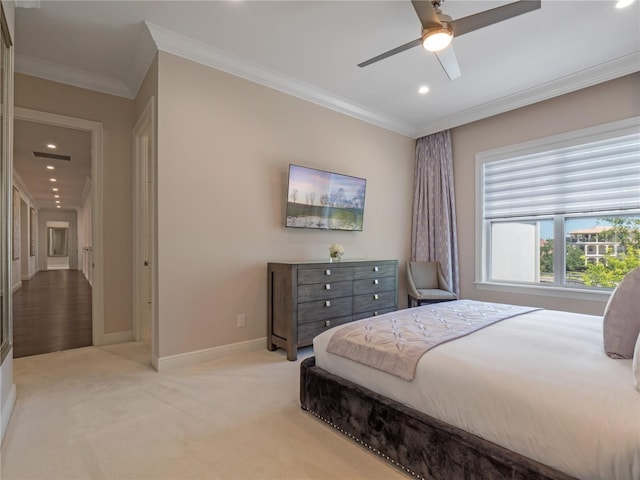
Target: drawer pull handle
x=375, y=296
x=375, y=269
x=376, y=282
x=327, y=286
x=327, y=303
x=375, y=313
x=327, y=272
x=327, y=323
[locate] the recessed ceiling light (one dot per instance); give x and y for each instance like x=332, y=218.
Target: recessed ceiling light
x=50, y=167
x=56, y=196
x=624, y=3
x=52, y=180
x=58, y=206
x=423, y=89
x=52, y=146
x=55, y=189
x=57, y=201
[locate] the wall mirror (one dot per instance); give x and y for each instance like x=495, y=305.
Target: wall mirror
x=57, y=242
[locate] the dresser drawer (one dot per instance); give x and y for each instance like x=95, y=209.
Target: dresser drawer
x=324, y=275
x=373, y=301
x=374, y=285
x=324, y=291
x=305, y=299
x=374, y=313
x=324, y=309
x=375, y=270
x=307, y=331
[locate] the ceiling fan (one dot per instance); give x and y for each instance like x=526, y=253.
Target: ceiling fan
x=439, y=29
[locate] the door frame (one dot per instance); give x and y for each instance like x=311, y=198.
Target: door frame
x=144, y=208
x=95, y=129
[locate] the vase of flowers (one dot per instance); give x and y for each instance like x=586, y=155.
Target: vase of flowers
x=335, y=252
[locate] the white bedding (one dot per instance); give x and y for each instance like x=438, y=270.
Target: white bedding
x=538, y=384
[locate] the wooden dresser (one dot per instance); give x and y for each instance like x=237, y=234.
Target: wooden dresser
x=307, y=298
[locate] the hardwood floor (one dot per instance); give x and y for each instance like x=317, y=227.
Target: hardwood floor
x=52, y=312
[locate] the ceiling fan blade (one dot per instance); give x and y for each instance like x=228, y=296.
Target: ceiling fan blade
x=495, y=15
x=447, y=59
x=426, y=13
x=399, y=49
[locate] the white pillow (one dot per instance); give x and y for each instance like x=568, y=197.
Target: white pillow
x=636, y=364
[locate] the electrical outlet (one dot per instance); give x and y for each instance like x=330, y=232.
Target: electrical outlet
x=242, y=320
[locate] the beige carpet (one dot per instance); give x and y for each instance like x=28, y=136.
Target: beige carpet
x=102, y=413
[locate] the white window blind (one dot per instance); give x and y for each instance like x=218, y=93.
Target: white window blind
x=598, y=176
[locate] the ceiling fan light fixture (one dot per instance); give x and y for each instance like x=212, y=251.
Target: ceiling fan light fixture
x=436, y=39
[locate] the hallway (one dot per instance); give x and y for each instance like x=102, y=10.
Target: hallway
x=52, y=312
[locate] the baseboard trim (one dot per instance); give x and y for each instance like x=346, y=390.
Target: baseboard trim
x=58, y=267
x=28, y=277
x=215, y=353
x=7, y=409
x=117, y=337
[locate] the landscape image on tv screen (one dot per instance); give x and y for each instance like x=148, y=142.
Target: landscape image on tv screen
x=325, y=200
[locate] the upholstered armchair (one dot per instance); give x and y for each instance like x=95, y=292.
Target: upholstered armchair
x=426, y=284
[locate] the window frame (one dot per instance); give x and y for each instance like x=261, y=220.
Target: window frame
x=483, y=227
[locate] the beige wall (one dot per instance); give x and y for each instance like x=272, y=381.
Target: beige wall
x=224, y=146
x=607, y=102
x=117, y=117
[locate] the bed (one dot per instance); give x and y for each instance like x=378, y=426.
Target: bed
x=532, y=396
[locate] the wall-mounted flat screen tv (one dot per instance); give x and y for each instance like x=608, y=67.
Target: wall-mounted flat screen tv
x=324, y=200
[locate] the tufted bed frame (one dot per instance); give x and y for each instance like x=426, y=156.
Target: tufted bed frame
x=412, y=441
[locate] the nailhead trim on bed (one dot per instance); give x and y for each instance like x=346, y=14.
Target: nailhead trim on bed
x=364, y=444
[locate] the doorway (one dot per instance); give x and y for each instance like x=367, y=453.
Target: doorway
x=94, y=129
x=144, y=220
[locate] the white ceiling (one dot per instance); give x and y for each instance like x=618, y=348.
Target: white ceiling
x=311, y=49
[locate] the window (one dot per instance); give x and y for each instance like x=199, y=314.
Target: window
x=562, y=212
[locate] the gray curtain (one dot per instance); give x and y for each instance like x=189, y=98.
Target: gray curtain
x=433, y=233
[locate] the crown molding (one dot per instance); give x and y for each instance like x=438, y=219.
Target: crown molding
x=143, y=55
x=586, y=78
x=71, y=76
x=190, y=49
